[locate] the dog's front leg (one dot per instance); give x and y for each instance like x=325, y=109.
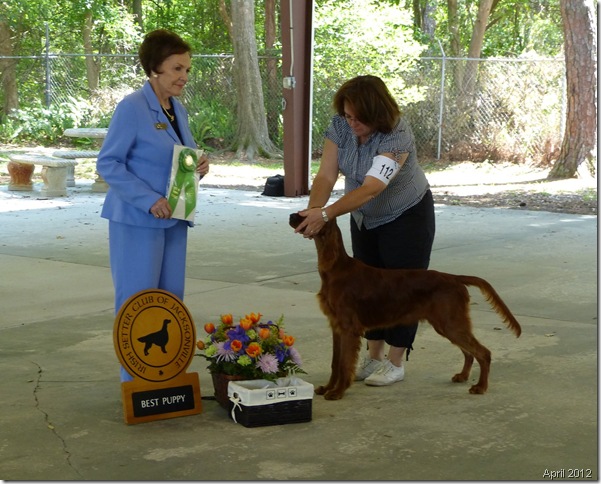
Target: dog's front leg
x=323, y=389
x=348, y=348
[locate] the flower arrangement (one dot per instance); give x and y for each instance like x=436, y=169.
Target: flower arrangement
x=251, y=349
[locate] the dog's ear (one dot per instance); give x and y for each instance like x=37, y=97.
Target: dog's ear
x=295, y=219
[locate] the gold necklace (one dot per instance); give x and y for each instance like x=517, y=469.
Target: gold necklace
x=170, y=116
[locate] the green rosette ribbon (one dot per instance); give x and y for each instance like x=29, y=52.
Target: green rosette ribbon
x=185, y=180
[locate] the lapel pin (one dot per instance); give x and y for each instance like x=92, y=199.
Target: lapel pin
x=160, y=126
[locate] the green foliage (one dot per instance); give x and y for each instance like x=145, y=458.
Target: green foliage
x=379, y=41
x=46, y=125
x=209, y=118
x=514, y=27
x=199, y=23
x=36, y=124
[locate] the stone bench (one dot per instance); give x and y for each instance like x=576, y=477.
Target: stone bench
x=54, y=173
x=73, y=155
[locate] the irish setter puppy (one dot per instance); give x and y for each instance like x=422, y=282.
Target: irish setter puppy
x=355, y=297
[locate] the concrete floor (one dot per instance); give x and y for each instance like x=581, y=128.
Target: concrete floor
x=62, y=416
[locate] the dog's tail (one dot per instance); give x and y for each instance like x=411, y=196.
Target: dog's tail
x=494, y=300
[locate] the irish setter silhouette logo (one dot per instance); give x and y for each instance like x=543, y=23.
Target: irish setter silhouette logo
x=159, y=338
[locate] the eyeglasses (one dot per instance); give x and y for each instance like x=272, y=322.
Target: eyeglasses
x=350, y=119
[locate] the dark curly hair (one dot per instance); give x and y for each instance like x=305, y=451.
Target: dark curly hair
x=371, y=100
x=157, y=46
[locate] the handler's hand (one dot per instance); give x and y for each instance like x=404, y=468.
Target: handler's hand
x=161, y=209
x=312, y=224
x=203, y=165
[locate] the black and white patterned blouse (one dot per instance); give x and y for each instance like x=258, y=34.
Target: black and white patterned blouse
x=404, y=191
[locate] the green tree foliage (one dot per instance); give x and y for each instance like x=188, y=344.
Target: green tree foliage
x=377, y=42
x=514, y=27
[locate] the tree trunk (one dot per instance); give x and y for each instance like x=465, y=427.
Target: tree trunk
x=470, y=75
x=580, y=137
x=423, y=16
x=225, y=16
x=136, y=8
x=273, y=86
x=251, y=136
x=92, y=67
x=8, y=76
x=453, y=19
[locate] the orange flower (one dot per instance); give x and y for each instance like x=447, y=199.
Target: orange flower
x=264, y=333
x=246, y=324
x=210, y=328
x=200, y=345
x=236, y=345
x=227, y=319
x=288, y=340
x=254, y=317
x=253, y=350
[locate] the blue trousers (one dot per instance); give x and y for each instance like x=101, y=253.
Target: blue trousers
x=144, y=258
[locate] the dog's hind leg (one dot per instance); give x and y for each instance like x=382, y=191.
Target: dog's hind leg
x=471, y=349
x=464, y=374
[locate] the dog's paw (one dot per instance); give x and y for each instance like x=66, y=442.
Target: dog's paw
x=459, y=378
x=320, y=390
x=478, y=390
x=333, y=395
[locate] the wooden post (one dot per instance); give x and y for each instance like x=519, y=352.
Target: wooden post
x=297, y=53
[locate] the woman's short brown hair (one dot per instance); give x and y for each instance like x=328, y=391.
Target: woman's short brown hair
x=371, y=100
x=157, y=46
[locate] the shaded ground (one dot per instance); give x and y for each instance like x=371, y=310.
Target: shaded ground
x=502, y=185
x=483, y=184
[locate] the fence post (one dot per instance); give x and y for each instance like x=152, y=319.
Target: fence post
x=47, y=58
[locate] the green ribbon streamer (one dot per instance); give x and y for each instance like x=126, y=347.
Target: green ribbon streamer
x=185, y=180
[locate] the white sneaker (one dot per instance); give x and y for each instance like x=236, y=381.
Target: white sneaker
x=386, y=374
x=366, y=368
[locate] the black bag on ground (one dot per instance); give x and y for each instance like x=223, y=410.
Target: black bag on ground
x=274, y=186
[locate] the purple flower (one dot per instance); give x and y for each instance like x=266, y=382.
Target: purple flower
x=224, y=352
x=238, y=333
x=281, y=353
x=267, y=363
x=295, y=356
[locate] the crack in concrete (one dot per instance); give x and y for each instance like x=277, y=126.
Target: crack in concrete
x=48, y=421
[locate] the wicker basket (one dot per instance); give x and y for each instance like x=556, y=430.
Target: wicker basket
x=220, y=383
x=255, y=404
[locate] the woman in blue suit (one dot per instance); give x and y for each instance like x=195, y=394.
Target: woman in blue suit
x=147, y=247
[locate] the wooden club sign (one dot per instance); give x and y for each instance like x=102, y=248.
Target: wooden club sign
x=155, y=338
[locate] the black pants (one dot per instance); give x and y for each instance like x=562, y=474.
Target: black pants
x=404, y=243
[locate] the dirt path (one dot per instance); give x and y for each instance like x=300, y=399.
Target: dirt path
x=486, y=184
x=501, y=185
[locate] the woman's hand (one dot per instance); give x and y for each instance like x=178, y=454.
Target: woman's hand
x=161, y=209
x=312, y=224
x=203, y=165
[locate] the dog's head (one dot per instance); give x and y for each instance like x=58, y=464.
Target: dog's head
x=328, y=241
x=295, y=220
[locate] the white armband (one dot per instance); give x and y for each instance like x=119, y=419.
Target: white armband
x=384, y=169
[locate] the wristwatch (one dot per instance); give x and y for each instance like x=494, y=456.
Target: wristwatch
x=324, y=215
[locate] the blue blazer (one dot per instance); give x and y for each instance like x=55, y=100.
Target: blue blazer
x=135, y=158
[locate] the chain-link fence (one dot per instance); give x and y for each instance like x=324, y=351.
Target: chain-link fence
x=468, y=109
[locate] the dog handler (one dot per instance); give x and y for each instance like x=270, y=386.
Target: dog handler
x=388, y=196
x=147, y=247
